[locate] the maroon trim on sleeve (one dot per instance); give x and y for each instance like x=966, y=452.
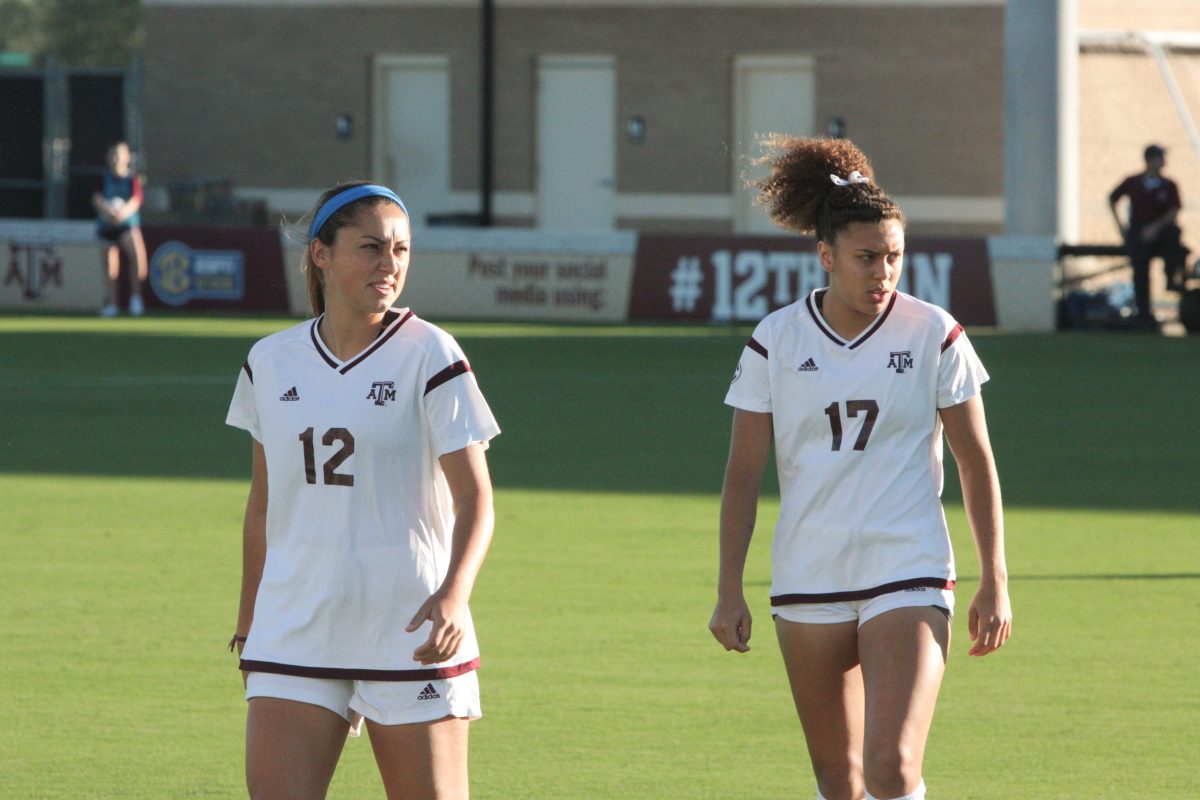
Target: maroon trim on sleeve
x=249, y=372
x=862, y=594
x=338, y=673
x=756, y=347
x=449, y=373
x=135, y=188
x=950, y=339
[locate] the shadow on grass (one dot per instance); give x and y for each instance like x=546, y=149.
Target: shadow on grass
x=1139, y=576
x=1076, y=421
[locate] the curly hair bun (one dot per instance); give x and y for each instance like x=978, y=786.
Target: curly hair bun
x=800, y=195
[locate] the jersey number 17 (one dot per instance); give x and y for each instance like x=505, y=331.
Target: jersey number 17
x=853, y=409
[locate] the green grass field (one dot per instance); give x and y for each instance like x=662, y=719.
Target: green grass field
x=121, y=493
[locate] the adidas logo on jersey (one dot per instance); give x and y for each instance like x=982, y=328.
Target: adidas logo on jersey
x=807, y=366
x=428, y=693
x=290, y=394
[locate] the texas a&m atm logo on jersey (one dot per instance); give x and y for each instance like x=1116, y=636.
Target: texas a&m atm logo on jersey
x=901, y=361
x=382, y=391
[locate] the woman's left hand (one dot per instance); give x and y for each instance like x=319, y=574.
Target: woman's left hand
x=989, y=619
x=449, y=625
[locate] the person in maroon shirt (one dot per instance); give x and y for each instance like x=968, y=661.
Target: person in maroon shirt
x=1151, y=230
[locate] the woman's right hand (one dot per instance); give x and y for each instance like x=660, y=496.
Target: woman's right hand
x=235, y=645
x=730, y=623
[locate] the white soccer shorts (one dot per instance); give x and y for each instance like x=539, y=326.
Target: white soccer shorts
x=863, y=610
x=384, y=702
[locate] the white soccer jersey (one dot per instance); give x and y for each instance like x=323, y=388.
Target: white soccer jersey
x=359, y=517
x=858, y=445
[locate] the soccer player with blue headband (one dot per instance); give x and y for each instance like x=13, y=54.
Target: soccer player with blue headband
x=340, y=198
x=368, y=438
x=339, y=205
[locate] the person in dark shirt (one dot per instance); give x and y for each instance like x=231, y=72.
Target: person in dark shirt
x=1150, y=229
x=118, y=200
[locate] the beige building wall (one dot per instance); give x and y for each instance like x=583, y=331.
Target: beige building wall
x=1125, y=105
x=1148, y=15
x=251, y=91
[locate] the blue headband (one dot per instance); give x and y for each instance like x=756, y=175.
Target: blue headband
x=341, y=199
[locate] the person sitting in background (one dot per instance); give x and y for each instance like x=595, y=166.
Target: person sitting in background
x=1151, y=230
x=117, y=201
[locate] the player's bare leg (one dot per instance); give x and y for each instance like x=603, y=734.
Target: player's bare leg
x=425, y=761
x=827, y=686
x=134, y=245
x=110, y=256
x=903, y=654
x=135, y=250
x=292, y=749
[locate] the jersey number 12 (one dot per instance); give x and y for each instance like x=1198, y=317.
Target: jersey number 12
x=331, y=475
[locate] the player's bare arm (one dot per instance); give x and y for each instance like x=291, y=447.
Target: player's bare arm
x=254, y=543
x=989, y=620
x=749, y=449
x=467, y=475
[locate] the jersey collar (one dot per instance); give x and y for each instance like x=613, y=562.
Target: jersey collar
x=813, y=302
x=392, y=320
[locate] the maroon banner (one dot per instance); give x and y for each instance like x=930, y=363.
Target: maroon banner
x=215, y=268
x=743, y=278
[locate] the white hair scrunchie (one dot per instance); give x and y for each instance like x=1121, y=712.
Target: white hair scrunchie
x=855, y=177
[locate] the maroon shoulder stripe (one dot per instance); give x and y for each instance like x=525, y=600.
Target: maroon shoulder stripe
x=249, y=372
x=756, y=347
x=862, y=594
x=954, y=334
x=431, y=673
x=449, y=373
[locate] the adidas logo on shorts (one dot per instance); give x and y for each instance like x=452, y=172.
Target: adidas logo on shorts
x=290, y=394
x=428, y=693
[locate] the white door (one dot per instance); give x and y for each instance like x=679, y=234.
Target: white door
x=771, y=94
x=411, y=150
x=576, y=141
